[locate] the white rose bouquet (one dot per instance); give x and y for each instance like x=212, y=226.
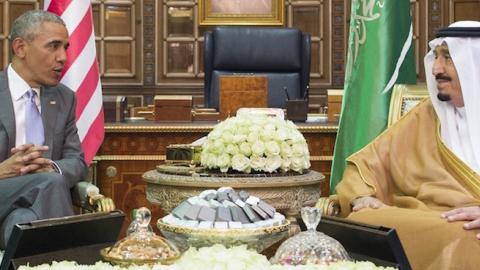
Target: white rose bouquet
x=255, y=142
x=215, y=257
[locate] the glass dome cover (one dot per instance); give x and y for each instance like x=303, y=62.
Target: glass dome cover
x=310, y=247
x=141, y=245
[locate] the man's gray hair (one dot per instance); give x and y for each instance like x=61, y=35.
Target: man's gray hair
x=27, y=25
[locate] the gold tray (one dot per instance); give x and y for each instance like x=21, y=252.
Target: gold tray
x=257, y=238
x=129, y=262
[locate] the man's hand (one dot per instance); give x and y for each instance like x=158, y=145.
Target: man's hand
x=33, y=160
x=25, y=159
x=366, y=202
x=471, y=214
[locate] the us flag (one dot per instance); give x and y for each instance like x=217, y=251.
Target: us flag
x=81, y=73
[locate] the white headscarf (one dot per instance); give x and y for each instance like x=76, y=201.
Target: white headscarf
x=465, y=54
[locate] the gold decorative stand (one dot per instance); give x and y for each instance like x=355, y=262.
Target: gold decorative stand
x=288, y=194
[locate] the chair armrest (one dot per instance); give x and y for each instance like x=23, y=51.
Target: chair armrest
x=87, y=196
x=81, y=190
x=330, y=206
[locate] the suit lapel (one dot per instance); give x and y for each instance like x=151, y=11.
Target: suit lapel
x=49, y=116
x=7, y=114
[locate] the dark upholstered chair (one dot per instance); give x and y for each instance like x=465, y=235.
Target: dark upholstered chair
x=281, y=54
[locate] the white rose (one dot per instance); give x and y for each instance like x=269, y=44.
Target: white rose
x=258, y=148
x=227, y=137
x=212, y=161
x=207, y=146
x=306, y=163
x=240, y=163
x=286, y=163
x=267, y=135
x=272, y=148
x=262, y=120
x=232, y=149
x=298, y=150
x=286, y=150
x=254, y=128
x=306, y=151
x=217, y=147
x=257, y=163
x=242, y=131
x=296, y=137
x=239, y=138
x=269, y=126
x=204, y=157
x=253, y=137
x=290, y=134
x=214, y=134
x=223, y=162
x=279, y=123
x=281, y=134
x=297, y=164
x=243, y=122
x=290, y=124
x=273, y=163
x=245, y=149
x=229, y=126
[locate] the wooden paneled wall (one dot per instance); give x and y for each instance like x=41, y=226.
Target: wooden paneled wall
x=148, y=47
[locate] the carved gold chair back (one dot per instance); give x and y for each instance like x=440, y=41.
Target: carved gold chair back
x=404, y=98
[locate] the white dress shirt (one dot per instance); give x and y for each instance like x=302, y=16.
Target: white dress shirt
x=18, y=89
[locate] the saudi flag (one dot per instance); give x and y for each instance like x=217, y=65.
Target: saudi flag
x=380, y=54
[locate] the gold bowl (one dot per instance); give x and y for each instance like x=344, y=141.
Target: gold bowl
x=141, y=248
x=256, y=238
x=130, y=262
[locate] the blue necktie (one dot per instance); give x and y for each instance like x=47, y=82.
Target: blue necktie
x=34, y=132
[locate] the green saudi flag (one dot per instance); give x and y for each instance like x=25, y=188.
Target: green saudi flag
x=380, y=54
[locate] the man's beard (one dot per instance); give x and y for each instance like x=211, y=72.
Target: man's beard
x=440, y=96
x=443, y=97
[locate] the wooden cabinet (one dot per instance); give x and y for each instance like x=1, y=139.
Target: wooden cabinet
x=151, y=47
x=129, y=150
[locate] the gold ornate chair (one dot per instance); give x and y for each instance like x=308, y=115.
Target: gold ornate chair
x=404, y=98
x=86, y=197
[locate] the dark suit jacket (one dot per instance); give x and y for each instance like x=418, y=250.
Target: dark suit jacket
x=58, y=114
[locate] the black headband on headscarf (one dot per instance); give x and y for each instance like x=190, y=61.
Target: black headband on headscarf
x=458, y=32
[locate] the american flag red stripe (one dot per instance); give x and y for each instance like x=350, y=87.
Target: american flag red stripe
x=81, y=72
x=97, y=124
x=56, y=7
x=84, y=93
x=80, y=35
